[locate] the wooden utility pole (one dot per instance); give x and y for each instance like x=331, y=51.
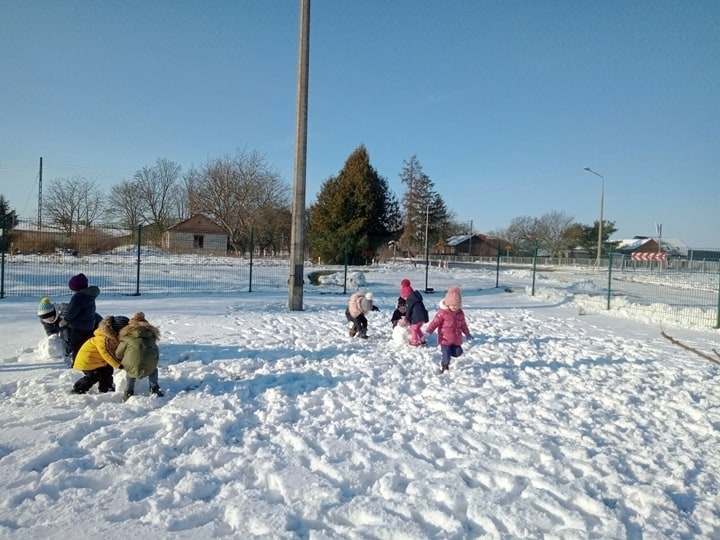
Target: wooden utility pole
x=297, y=240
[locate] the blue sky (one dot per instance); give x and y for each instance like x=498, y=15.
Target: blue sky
x=503, y=102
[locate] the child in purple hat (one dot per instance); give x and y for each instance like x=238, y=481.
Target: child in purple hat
x=80, y=316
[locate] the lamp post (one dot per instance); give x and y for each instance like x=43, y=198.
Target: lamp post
x=600, y=224
x=427, y=245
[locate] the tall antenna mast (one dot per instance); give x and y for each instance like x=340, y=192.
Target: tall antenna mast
x=40, y=198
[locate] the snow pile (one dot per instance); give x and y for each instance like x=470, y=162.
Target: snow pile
x=51, y=348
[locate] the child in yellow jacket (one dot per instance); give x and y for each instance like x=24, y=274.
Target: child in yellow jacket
x=96, y=358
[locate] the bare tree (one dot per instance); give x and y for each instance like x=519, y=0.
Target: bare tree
x=553, y=228
x=126, y=204
x=240, y=193
x=524, y=232
x=552, y=232
x=188, y=198
x=74, y=203
x=158, y=189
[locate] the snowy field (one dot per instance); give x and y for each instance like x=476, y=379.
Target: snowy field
x=559, y=421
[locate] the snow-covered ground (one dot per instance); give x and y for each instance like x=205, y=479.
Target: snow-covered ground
x=559, y=421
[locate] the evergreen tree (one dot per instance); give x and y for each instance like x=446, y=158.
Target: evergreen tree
x=8, y=220
x=591, y=234
x=422, y=207
x=355, y=213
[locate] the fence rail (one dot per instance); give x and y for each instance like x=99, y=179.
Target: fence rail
x=33, y=264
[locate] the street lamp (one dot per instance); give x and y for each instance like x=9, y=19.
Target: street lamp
x=602, y=200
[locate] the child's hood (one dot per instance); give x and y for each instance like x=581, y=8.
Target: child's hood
x=143, y=330
x=92, y=290
x=104, y=329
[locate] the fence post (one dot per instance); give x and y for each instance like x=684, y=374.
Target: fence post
x=610, y=265
x=137, y=276
x=252, y=249
x=2, y=263
x=535, y=252
x=497, y=268
x=345, y=249
x=717, y=324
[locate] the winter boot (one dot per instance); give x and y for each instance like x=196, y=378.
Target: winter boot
x=82, y=386
x=156, y=390
x=353, y=332
x=127, y=395
x=444, y=368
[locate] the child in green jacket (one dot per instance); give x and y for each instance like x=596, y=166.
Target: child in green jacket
x=139, y=354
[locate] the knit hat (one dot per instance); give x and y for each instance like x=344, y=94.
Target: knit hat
x=401, y=302
x=77, y=282
x=369, y=296
x=405, y=290
x=405, y=283
x=453, y=298
x=46, y=309
x=138, y=317
x=118, y=322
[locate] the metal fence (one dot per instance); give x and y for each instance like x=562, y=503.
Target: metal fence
x=39, y=263
x=674, y=291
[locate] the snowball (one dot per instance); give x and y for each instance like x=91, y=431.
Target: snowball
x=51, y=347
x=400, y=335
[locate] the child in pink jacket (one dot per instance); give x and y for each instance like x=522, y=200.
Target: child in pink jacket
x=450, y=324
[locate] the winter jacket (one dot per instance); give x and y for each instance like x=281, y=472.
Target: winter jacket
x=99, y=350
x=55, y=326
x=450, y=325
x=59, y=324
x=81, y=309
x=138, y=349
x=416, y=310
x=359, y=304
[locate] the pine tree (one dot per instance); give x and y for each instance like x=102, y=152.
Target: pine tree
x=8, y=220
x=422, y=207
x=354, y=214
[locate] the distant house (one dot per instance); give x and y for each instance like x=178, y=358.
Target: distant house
x=477, y=245
x=671, y=247
x=197, y=234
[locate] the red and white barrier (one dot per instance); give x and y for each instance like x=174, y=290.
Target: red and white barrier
x=648, y=256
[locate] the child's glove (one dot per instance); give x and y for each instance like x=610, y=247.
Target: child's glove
x=468, y=337
x=375, y=308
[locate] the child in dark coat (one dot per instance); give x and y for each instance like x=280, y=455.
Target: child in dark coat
x=139, y=354
x=416, y=314
x=450, y=324
x=80, y=316
x=51, y=315
x=398, y=315
x=52, y=318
